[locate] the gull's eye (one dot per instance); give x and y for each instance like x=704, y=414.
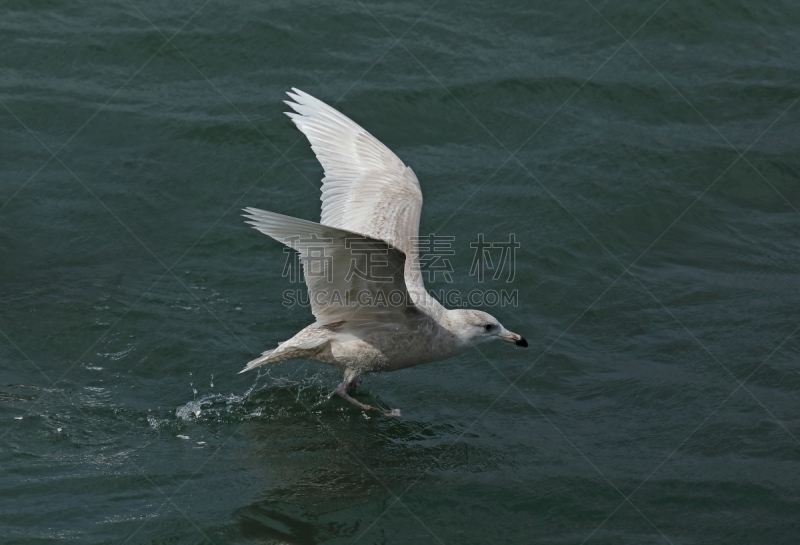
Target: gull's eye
x=488, y=327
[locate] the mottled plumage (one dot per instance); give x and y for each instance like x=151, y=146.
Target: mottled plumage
x=383, y=320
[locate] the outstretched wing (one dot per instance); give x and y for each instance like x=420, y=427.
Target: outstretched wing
x=366, y=189
x=349, y=276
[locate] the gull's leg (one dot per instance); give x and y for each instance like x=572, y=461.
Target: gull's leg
x=341, y=391
x=353, y=384
x=350, y=383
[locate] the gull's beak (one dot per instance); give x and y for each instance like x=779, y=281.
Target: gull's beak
x=519, y=340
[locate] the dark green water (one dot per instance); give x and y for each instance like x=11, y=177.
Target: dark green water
x=658, y=273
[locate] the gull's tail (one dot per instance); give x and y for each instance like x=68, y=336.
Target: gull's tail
x=289, y=350
x=265, y=359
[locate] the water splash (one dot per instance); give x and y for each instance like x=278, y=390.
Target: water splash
x=266, y=397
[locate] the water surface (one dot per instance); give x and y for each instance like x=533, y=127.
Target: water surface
x=657, y=274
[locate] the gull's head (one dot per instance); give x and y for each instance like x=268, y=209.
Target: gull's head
x=475, y=326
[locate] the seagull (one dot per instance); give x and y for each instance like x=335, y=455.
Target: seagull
x=361, y=263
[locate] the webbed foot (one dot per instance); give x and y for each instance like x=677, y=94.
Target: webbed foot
x=346, y=386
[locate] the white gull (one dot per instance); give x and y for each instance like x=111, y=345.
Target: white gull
x=361, y=264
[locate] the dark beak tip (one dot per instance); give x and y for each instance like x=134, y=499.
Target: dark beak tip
x=522, y=342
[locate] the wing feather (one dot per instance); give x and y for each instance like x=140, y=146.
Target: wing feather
x=355, y=278
x=367, y=189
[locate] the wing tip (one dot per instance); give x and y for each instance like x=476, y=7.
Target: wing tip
x=256, y=218
x=296, y=95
